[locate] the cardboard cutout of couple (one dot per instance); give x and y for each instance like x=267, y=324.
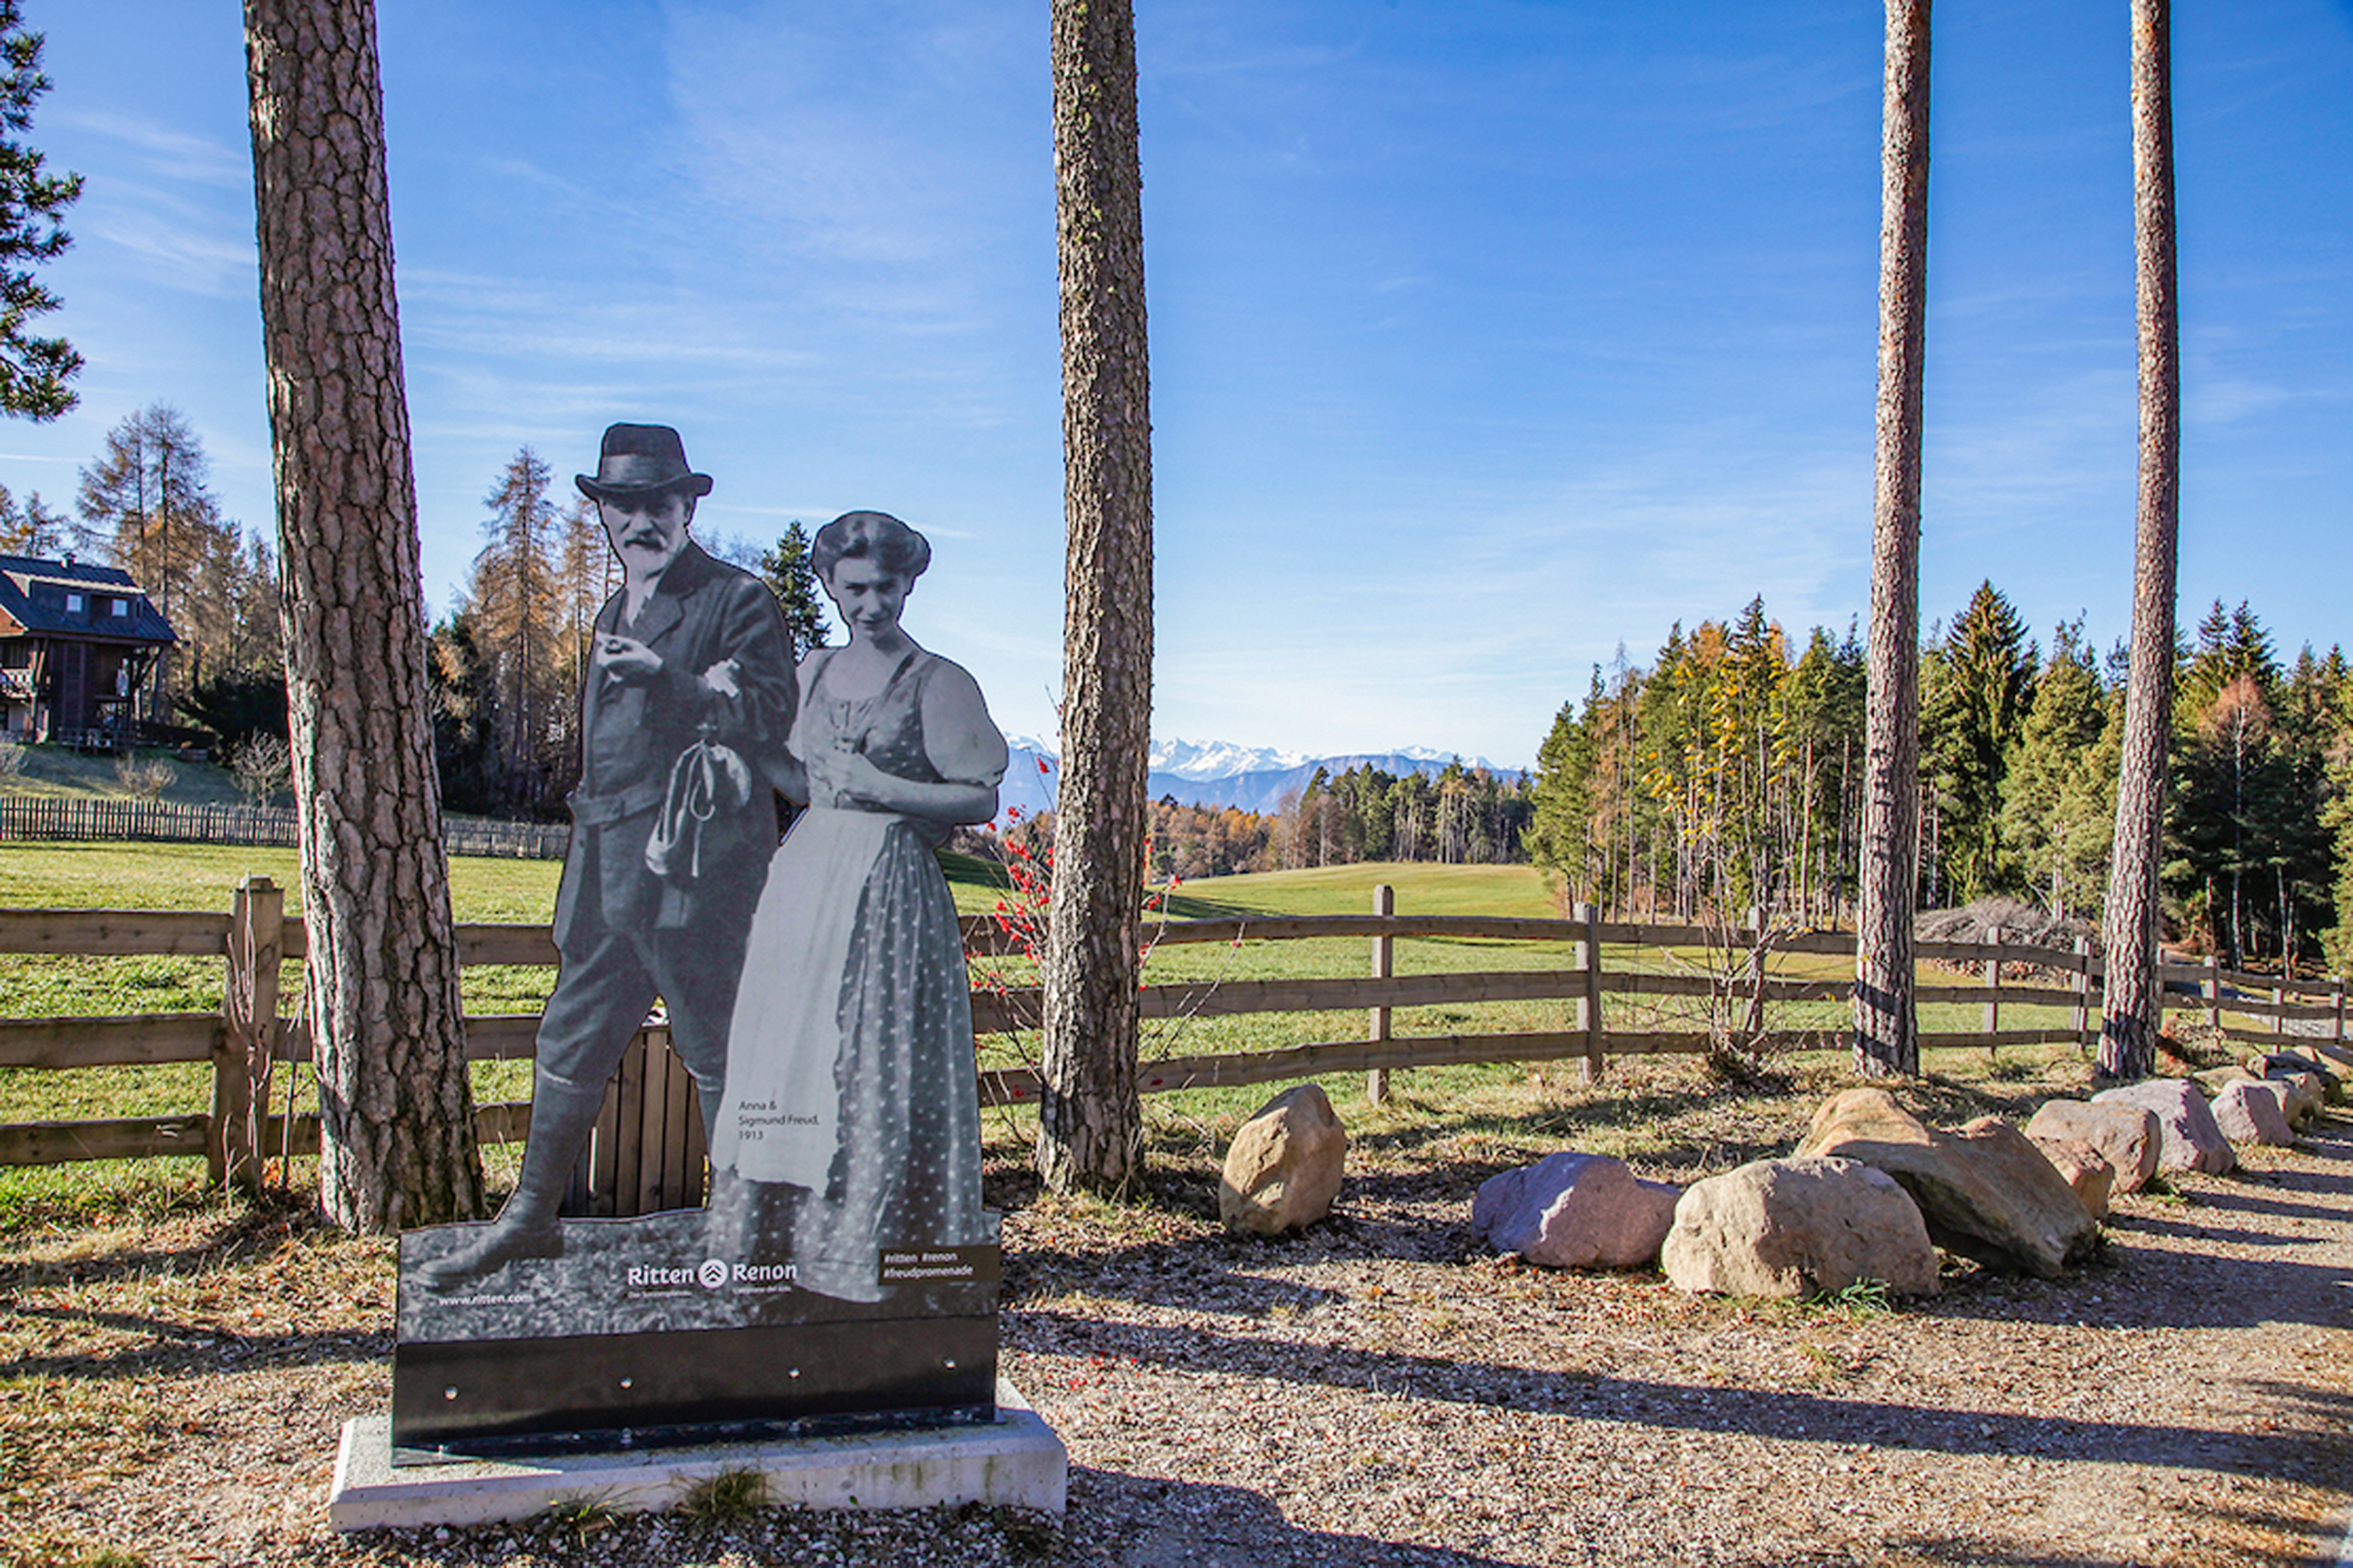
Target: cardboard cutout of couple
x=846, y=1270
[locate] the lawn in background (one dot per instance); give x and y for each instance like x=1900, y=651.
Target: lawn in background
x=192, y=876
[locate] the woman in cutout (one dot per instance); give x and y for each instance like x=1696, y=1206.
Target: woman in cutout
x=850, y=1067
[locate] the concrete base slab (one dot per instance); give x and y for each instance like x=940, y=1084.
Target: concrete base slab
x=1018, y=1462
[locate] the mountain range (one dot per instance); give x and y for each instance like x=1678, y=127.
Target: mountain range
x=1218, y=772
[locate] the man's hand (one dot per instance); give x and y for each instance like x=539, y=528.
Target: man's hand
x=627, y=660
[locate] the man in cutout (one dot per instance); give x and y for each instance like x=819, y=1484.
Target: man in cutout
x=691, y=678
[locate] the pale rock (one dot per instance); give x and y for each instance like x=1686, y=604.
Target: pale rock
x=2253, y=1113
x=2307, y=1096
x=2083, y=1168
x=1284, y=1168
x=2191, y=1140
x=2288, y=1064
x=1984, y=1189
x=2128, y=1137
x=1798, y=1227
x=2295, y=1064
x=2214, y=1081
x=1575, y=1211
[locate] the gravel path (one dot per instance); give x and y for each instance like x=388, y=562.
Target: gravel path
x=1381, y=1391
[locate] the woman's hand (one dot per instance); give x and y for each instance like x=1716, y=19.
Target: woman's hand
x=849, y=778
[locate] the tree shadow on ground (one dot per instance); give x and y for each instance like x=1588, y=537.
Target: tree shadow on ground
x=1791, y=1415
x=1200, y=1524
x=228, y=1234
x=172, y=1348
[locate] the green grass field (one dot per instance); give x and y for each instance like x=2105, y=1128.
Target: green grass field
x=60, y=771
x=186, y=877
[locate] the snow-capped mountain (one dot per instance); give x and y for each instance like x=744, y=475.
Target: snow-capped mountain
x=1218, y=772
x=1216, y=759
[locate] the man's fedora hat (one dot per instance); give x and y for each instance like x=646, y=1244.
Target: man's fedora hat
x=639, y=460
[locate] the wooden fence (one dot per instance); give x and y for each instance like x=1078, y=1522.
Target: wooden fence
x=94, y=818
x=649, y=1152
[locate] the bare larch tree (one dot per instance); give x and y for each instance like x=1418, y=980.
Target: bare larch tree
x=2130, y=1011
x=382, y=972
x=1090, y=1123
x=1886, y=1031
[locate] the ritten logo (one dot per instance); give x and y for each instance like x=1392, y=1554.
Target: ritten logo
x=712, y=1274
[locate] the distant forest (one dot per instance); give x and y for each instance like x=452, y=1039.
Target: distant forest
x=1727, y=775
x=1464, y=815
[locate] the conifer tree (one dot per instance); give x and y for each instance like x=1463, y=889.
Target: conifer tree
x=516, y=620
x=32, y=528
x=1886, y=1029
x=2132, y=1006
x=1091, y=1123
x=791, y=576
x=2058, y=795
x=145, y=503
x=34, y=371
x=396, y=1140
x=1974, y=701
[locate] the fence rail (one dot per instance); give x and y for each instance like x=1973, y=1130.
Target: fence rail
x=102, y=819
x=648, y=1148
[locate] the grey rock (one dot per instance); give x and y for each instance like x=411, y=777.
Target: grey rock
x=2191, y=1140
x=1798, y=1227
x=1575, y=1211
x=2254, y=1113
x=2297, y=1064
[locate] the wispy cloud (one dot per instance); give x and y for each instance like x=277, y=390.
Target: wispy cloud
x=168, y=152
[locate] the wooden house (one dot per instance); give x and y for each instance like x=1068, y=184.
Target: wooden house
x=78, y=643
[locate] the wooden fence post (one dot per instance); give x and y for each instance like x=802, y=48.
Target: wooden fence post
x=1993, y=984
x=1376, y=1081
x=1752, y=1023
x=2213, y=986
x=1585, y=955
x=2337, y=1004
x=2279, y=1009
x=249, y=1038
x=2083, y=994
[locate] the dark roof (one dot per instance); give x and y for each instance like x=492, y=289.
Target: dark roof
x=33, y=593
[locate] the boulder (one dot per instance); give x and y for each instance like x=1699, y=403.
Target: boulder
x=2214, y=1081
x=1798, y=1227
x=2083, y=1168
x=1867, y=1115
x=1284, y=1168
x=1984, y=1189
x=2254, y=1113
x=2308, y=1096
x=2126, y=1136
x=2191, y=1140
x=2297, y=1064
x=1575, y=1211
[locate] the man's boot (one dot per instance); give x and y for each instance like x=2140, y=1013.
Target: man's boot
x=562, y=1114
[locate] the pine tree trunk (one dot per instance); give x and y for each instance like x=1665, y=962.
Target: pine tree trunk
x=1886, y=1031
x=382, y=976
x=1089, y=1122
x=2132, y=1006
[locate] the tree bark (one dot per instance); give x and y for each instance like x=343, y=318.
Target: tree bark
x=382, y=977
x=1090, y=1120
x=2132, y=1007
x=1886, y=1030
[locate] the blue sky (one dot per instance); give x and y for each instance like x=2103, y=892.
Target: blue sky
x=1486, y=336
